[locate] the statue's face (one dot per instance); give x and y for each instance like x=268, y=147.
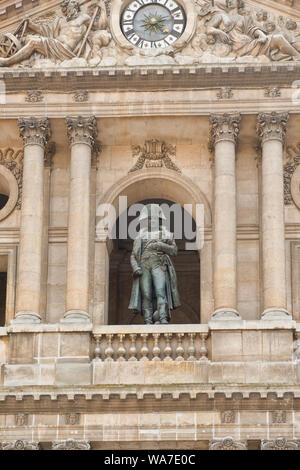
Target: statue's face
x=232, y=4
x=261, y=15
x=210, y=39
x=72, y=10
x=270, y=26
x=291, y=25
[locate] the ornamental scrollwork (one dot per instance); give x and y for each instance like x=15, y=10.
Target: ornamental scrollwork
x=154, y=154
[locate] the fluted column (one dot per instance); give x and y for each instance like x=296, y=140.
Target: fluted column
x=35, y=134
x=271, y=130
x=224, y=133
x=82, y=133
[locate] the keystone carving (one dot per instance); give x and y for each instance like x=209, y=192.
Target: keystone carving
x=280, y=444
x=154, y=154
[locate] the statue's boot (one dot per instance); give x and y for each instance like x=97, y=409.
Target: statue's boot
x=163, y=316
x=148, y=316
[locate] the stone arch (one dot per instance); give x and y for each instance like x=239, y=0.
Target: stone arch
x=158, y=183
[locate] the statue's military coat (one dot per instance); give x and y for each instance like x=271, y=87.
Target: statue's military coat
x=171, y=279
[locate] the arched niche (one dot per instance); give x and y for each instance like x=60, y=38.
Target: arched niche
x=148, y=185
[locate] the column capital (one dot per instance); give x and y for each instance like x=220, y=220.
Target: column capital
x=272, y=126
x=35, y=131
x=82, y=130
x=224, y=127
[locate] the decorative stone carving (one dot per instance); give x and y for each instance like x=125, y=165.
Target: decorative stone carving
x=20, y=444
x=75, y=34
x=71, y=444
x=35, y=131
x=293, y=160
x=228, y=417
x=225, y=93
x=81, y=96
x=21, y=419
x=280, y=444
x=223, y=127
x=227, y=443
x=34, y=96
x=154, y=154
x=272, y=92
x=82, y=130
x=279, y=417
x=72, y=419
x=12, y=159
x=272, y=126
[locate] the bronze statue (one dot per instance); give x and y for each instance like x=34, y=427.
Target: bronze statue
x=154, y=291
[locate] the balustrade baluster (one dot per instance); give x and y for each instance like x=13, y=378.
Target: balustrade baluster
x=179, y=349
x=168, y=349
x=132, y=349
x=156, y=349
x=203, y=348
x=144, y=349
x=97, y=351
x=109, y=350
x=121, y=350
x=191, y=348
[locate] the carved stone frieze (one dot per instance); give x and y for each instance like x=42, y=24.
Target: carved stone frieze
x=82, y=130
x=71, y=444
x=279, y=417
x=20, y=444
x=12, y=159
x=223, y=127
x=81, y=96
x=34, y=96
x=21, y=419
x=251, y=35
x=272, y=126
x=227, y=443
x=154, y=154
x=225, y=93
x=72, y=419
x=228, y=417
x=272, y=92
x=35, y=131
x=280, y=443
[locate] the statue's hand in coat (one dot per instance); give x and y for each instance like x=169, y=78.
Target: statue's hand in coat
x=138, y=272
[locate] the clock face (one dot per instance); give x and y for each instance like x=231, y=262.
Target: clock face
x=153, y=24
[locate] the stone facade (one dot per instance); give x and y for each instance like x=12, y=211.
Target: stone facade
x=78, y=371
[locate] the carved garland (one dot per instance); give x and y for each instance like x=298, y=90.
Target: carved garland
x=293, y=157
x=13, y=160
x=228, y=443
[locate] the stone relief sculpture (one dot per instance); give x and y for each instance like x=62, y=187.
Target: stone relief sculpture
x=78, y=35
x=154, y=291
x=74, y=34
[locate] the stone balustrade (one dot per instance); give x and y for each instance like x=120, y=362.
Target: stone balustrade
x=152, y=343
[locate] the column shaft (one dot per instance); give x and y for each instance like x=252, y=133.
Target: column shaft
x=35, y=134
x=224, y=133
x=272, y=128
x=82, y=132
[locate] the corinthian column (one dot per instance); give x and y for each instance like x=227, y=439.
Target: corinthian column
x=224, y=133
x=35, y=134
x=82, y=133
x=272, y=129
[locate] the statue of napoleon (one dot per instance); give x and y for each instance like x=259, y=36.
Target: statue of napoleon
x=154, y=291
x=75, y=34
